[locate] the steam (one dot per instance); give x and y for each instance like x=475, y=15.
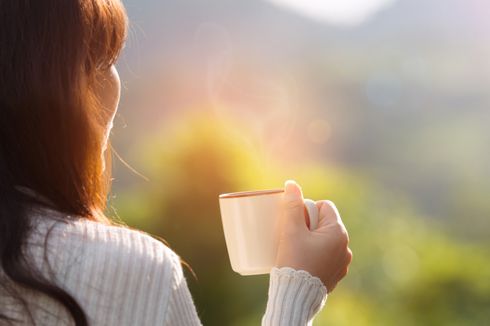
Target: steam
x=261, y=99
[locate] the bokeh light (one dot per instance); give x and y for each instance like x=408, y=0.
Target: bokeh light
x=347, y=12
x=319, y=131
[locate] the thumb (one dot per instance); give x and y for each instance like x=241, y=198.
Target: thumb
x=294, y=207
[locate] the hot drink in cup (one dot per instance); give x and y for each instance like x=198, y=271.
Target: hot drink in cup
x=250, y=222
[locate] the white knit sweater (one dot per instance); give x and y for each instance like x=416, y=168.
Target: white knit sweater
x=124, y=277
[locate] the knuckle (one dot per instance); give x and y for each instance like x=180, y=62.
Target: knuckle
x=329, y=203
x=344, y=272
x=344, y=242
x=331, y=208
x=349, y=256
x=328, y=207
x=342, y=234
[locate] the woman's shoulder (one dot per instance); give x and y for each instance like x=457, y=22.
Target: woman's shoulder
x=118, y=238
x=94, y=245
x=108, y=268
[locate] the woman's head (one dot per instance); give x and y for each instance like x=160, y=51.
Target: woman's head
x=58, y=93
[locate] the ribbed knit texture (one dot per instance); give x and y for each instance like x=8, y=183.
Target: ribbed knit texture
x=125, y=277
x=295, y=297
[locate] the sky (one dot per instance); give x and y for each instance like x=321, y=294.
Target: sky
x=344, y=12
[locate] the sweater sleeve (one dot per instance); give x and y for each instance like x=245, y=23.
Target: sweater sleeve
x=181, y=309
x=295, y=297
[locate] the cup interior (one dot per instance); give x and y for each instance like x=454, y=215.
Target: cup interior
x=251, y=193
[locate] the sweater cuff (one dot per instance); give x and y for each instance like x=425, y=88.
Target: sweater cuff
x=295, y=297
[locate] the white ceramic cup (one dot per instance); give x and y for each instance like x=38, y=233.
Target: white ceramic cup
x=250, y=222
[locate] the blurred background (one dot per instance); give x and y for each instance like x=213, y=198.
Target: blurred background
x=382, y=106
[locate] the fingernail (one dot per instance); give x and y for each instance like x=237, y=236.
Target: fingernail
x=292, y=190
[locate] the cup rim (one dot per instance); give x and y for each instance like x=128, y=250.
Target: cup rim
x=250, y=193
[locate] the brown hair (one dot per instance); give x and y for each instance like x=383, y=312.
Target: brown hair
x=51, y=124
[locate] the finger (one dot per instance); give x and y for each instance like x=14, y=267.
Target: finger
x=349, y=256
x=311, y=214
x=331, y=287
x=293, y=205
x=345, y=266
x=328, y=213
x=307, y=216
x=319, y=204
x=343, y=273
x=344, y=259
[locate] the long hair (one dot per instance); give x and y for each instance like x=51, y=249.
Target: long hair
x=51, y=124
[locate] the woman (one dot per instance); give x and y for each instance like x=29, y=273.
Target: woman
x=62, y=262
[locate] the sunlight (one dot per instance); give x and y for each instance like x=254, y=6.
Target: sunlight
x=346, y=12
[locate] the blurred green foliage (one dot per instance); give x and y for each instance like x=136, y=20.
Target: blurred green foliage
x=405, y=271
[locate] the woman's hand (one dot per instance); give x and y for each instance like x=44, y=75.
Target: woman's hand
x=322, y=252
